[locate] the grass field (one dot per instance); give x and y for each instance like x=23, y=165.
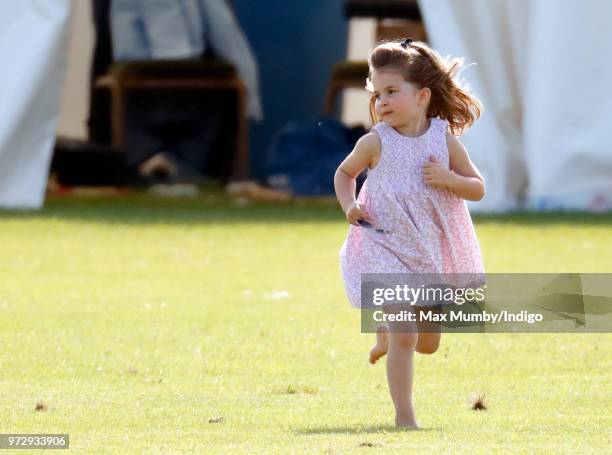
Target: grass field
x=148, y=325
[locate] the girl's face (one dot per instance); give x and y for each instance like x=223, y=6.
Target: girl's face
x=397, y=100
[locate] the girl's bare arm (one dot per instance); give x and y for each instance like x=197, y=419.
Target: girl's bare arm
x=363, y=155
x=464, y=179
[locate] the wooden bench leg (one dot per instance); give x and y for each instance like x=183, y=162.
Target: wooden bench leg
x=118, y=114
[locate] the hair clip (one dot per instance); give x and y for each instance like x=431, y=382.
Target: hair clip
x=406, y=43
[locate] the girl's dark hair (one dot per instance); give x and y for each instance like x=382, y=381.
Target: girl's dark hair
x=419, y=64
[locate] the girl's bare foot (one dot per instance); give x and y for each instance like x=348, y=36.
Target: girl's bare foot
x=408, y=425
x=382, y=344
x=406, y=421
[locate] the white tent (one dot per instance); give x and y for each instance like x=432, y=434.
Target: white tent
x=33, y=49
x=543, y=73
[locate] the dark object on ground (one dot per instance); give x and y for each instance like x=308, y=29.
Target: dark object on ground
x=81, y=163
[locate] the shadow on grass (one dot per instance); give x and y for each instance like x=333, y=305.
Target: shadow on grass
x=217, y=208
x=359, y=430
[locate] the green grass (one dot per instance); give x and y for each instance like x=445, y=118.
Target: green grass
x=140, y=321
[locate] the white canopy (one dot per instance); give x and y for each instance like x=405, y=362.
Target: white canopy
x=543, y=73
x=33, y=49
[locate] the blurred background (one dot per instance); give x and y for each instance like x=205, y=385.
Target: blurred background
x=264, y=99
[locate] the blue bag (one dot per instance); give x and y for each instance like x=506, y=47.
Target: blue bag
x=303, y=157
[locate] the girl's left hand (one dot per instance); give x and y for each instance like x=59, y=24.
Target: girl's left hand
x=435, y=175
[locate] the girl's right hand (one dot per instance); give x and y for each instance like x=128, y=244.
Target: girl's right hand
x=356, y=213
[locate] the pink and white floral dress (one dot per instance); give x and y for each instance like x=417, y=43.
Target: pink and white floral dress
x=416, y=228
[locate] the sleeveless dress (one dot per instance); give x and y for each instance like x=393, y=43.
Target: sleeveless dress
x=415, y=228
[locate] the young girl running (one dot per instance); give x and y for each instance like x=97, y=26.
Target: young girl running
x=410, y=215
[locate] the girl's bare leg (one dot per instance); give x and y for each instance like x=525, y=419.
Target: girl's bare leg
x=382, y=344
x=403, y=339
x=430, y=333
x=427, y=343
